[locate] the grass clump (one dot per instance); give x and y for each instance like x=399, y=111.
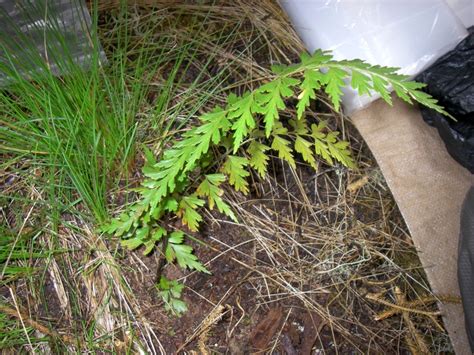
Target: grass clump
x=77, y=117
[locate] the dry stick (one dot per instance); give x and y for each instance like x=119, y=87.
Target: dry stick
x=402, y=308
x=420, y=302
x=413, y=336
x=161, y=261
x=38, y=326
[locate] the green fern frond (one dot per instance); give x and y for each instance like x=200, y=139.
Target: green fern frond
x=182, y=253
x=271, y=97
x=187, y=211
x=250, y=123
x=242, y=111
x=258, y=158
x=183, y=156
x=303, y=147
x=234, y=167
x=311, y=84
x=209, y=188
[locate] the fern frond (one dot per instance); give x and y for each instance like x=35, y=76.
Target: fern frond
x=187, y=211
x=282, y=145
x=209, y=188
x=311, y=84
x=303, y=147
x=258, y=158
x=182, y=157
x=234, y=167
x=242, y=111
x=182, y=253
x=334, y=82
x=271, y=97
x=253, y=117
x=320, y=146
x=339, y=149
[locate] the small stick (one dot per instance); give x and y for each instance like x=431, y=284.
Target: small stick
x=161, y=262
x=420, y=302
x=401, y=308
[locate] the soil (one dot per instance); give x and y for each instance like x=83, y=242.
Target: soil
x=253, y=318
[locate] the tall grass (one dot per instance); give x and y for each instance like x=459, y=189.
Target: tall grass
x=76, y=113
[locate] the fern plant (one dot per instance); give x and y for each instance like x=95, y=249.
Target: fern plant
x=247, y=129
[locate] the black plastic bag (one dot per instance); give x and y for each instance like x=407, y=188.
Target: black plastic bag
x=451, y=80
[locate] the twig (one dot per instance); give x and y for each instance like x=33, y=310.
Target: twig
x=415, y=341
x=401, y=308
x=416, y=303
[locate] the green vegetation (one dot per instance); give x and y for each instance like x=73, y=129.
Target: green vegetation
x=80, y=128
x=68, y=142
x=249, y=125
x=185, y=103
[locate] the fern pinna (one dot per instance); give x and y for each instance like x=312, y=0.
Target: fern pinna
x=249, y=127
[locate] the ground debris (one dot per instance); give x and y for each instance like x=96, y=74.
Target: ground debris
x=267, y=328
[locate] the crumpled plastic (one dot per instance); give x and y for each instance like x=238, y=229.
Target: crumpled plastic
x=451, y=80
x=56, y=31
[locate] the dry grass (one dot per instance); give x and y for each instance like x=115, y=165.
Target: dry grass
x=332, y=243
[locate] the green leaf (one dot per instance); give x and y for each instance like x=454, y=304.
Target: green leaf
x=171, y=291
x=209, y=188
x=155, y=238
x=182, y=253
x=318, y=58
x=119, y=226
x=281, y=145
x=361, y=82
x=187, y=211
x=380, y=86
x=177, y=237
x=303, y=147
x=339, y=149
x=186, y=259
x=149, y=156
x=234, y=168
x=270, y=99
x=242, y=110
x=311, y=83
x=334, y=82
x=179, y=306
x=132, y=243
x=299, y=126
x=183, y=156
x=258, y=158
x=141, y=234
x=320, y=146
x=171, y=205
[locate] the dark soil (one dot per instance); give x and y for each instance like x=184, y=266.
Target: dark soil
x=255, y=319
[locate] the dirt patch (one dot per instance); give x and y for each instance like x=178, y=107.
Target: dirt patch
x=307, y=271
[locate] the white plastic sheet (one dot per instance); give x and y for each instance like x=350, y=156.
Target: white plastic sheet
x=464, y=9
x=409, y=34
